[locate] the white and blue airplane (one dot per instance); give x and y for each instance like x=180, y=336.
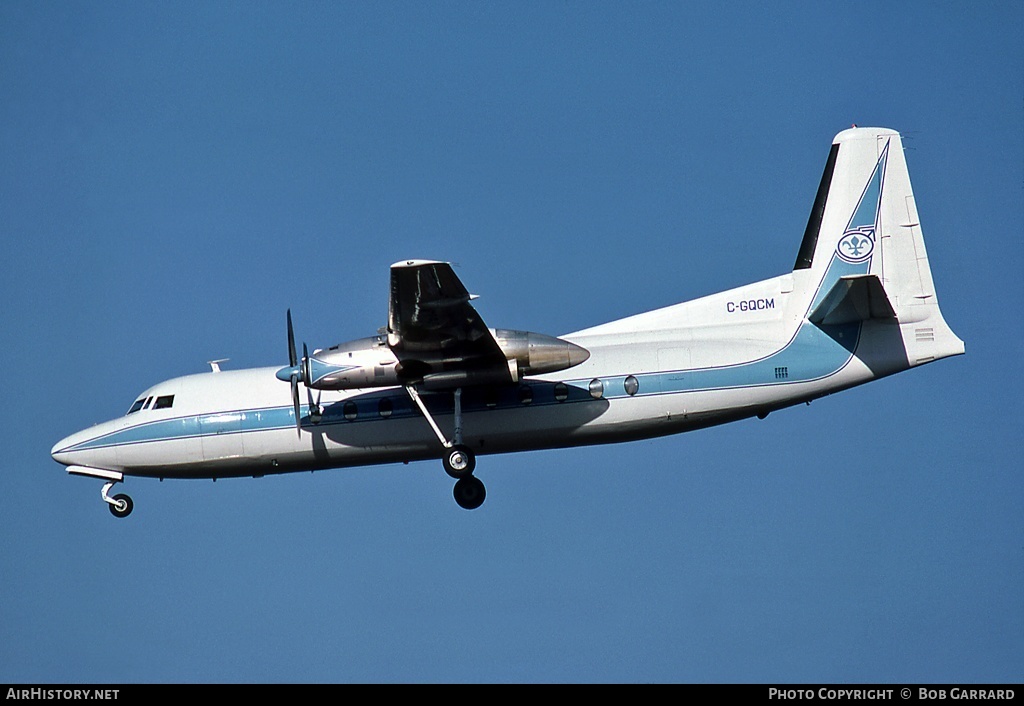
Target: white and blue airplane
x=436, y=382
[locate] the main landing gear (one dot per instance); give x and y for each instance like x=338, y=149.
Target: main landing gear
x=459, y=462
x=469, y=492
x=458, y=459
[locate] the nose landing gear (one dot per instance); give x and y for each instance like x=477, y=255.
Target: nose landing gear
x=120, y=505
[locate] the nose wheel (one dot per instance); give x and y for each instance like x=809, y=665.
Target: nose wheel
x=120, y=505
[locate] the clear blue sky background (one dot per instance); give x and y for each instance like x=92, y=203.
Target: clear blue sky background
x=174, y=176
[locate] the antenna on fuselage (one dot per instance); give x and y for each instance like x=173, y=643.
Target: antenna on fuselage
x=215, y=364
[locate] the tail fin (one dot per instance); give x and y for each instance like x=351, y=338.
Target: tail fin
x=863, y=253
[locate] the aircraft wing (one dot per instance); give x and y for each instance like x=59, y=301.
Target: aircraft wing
x=433, y=328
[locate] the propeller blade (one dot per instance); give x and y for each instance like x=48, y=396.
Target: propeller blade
x=295, y=402
x=291, y=341
x=314, y=407
x=307, y=376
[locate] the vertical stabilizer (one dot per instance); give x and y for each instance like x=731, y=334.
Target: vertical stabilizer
x=864, y=229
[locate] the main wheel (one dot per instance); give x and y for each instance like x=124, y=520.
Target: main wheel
x=469, y=493
x=122, y=506
x=459, y=462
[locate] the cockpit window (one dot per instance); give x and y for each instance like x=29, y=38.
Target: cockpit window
x=164, y=402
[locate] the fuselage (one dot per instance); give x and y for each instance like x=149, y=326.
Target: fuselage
x=732, y=355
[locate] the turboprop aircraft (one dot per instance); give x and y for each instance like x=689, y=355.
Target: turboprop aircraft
x=436, y=382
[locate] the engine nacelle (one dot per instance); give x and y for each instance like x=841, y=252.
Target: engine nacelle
x=369, y=362
x=364, y=362
x=537, y=353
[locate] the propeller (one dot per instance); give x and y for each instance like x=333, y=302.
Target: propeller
x=294, y=373
x=291, y=341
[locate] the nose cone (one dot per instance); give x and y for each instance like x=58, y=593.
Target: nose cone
x=87, y=447
x=96, y=446
x=59, y=451
x=285, y=374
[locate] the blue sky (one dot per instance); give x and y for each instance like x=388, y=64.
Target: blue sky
x=176, y=176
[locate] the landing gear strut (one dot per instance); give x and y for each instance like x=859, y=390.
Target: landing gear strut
x=459, y=460
x=120, y=505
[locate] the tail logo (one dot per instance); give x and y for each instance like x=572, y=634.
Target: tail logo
x=858, y=241
x=857, y=244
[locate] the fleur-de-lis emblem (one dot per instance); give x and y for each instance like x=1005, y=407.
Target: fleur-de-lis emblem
x=857, y=244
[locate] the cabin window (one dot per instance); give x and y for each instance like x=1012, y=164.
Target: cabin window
x=385, y=408
x=631, y=385
x=349, y=410
x=561, y=391
x=164, y=402
x=596, y=389
x=137, y=406
x=525, y=394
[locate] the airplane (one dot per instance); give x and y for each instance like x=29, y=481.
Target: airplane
x=436, y=382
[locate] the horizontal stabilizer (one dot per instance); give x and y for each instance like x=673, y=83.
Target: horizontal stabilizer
x=853, y=298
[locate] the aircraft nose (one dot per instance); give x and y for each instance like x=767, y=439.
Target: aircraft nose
x=59, y=454
x=95, y=447
x=68, y=450
x=62, y=450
